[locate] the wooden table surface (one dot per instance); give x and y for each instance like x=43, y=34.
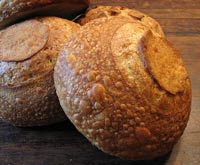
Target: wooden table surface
x=62, y=144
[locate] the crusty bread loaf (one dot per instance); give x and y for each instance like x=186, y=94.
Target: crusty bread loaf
x=28, y=52
x=107, y=11
x=13, y=11
x=124, y=87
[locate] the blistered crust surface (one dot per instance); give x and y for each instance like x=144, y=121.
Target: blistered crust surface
x=32, y=105
x=107, y=11
x=112, y=98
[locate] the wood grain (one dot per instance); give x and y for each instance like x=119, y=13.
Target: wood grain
x=62, y=144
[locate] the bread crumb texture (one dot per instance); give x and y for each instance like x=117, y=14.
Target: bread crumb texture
x=111, y=90
x=27, y=93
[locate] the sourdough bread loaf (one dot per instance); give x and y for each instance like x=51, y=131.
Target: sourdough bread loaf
x=124, y=87
x=28, y=53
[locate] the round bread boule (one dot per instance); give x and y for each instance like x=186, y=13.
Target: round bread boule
x=107, y=11
x=28, y=53
x=124, y=87
x=12, y=11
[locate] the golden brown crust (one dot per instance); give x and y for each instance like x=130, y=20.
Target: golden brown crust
x=30, y=82
x=107, y=11
x=110, y=96
x=13, y=11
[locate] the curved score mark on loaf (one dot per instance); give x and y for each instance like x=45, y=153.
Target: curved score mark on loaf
x=23, y=40
x=138, y=52
x=163, y=62
x=126, y=53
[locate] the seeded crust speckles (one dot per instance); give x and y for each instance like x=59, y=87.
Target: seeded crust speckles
x=107, y=11
x=27, y=93
x=110, y=95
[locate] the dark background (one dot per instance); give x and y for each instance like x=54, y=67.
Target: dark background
x=62, y=144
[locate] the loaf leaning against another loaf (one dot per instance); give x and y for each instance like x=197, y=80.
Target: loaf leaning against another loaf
x=124, y=87
x=28, y=53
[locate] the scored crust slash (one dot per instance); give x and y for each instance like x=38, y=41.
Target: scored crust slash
x=159, y=62
x=21, y=41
